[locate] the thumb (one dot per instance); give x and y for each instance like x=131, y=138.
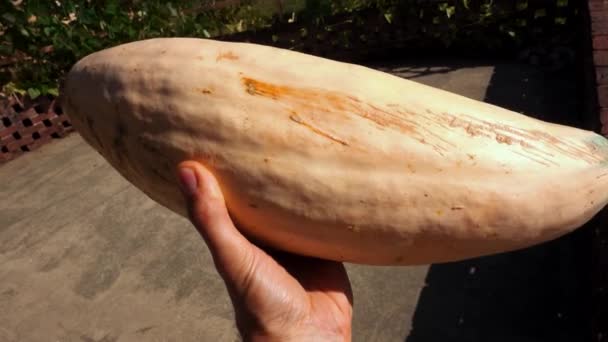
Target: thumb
x=232, y=253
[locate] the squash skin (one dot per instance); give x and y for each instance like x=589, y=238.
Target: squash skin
x=335, y=160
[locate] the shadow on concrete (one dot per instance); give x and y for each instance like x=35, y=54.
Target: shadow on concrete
x=537, y=294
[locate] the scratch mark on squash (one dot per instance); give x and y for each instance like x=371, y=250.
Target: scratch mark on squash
x=229, y=55
x=529, y=140
x=295, y=118
x=531, y=158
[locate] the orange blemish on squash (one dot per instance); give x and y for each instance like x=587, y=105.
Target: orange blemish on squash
x=504, y=139
x=536, y=146
x=229, y=55
x=204, y=90
x=311, y=100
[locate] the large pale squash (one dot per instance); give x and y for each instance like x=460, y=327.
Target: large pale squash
x=335, y=160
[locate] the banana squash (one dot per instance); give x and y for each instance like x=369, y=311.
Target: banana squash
x=335, y=160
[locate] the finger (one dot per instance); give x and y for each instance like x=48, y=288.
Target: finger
x=231, y=251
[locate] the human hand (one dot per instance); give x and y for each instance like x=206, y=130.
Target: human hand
x=276, y=296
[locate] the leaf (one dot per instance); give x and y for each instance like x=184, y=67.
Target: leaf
x=111, y=8
x=561, y=20
x=171, y=9
x=206, y=33
x=53, y=91
x=33, y=93
x=48, y=31
x=521, y=5
x=465, y=3
x=6, y=49
x=389, y=17
x=449, y=11
x=9, y=17
x=12, y=88
x=539, y=13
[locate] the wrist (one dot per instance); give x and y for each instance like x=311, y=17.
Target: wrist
x=296, y=336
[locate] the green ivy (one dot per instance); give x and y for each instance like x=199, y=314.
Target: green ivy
x=47, y=37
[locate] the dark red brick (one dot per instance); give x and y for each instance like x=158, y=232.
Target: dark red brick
x=600, y=58
x=598, y=5
x=14, y=146
x=51, y=115
x=599, y=16
x=38, y=119
x=604, y=116
x=601, y=75
x=28, y=114
x=8, y=131
x=26, y=140
x=4, y=157
x=30, y=130
x=602, y=96
x=44, y=115
x=7, y=140
x=600, y=42
x=42, y=141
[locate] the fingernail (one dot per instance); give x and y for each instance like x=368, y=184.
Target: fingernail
x=188, y=181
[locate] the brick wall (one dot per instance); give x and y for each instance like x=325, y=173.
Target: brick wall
x=598, y=96
x=25, y=126
x=598, y=11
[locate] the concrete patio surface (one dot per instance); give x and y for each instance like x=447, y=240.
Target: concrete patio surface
x=85, y=256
